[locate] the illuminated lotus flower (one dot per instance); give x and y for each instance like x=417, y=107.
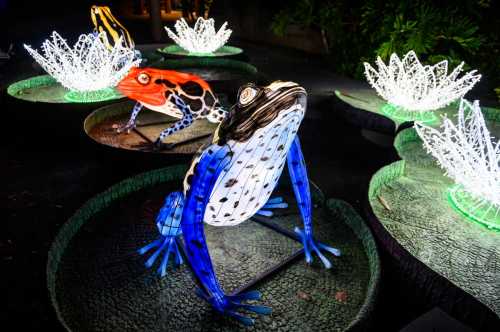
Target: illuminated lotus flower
x=87, y=66
x=200, y=39
x=469, y=156
x=409, y=84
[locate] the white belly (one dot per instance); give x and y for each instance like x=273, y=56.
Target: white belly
x=254, y=170
x=168, y=108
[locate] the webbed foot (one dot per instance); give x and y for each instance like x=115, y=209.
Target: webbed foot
x=167, y=245
x=229, y=305
x=272, y=203
x=311, y=245
x=168, y=224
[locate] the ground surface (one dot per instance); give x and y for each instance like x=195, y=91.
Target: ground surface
x=46, y=179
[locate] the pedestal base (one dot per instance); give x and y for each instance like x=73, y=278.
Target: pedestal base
x=224, y=51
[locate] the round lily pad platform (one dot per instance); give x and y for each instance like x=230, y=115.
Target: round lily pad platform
x=37, y=106
x=46, y=89
x=102, y=124
x=98, y=282
x=224, y=51
x=370, y=111
x=413, y=217
x=355, y=106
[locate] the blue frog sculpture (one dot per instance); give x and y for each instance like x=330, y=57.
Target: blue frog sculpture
x=231, y=180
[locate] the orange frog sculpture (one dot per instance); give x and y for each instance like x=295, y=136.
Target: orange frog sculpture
x=181, y=95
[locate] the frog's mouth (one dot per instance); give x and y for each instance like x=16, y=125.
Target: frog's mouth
x=245, y=120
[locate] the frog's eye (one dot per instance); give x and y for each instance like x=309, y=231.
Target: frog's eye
x=143, y=78
x=247, y=95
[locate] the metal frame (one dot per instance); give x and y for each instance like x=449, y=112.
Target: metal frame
x=292, y=258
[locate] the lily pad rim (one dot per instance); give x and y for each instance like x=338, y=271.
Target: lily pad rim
x=45, y=80
x=174, y=49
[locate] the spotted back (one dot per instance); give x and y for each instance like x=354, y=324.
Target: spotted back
x=246, y=184
x=199, y=98
x=154, y=89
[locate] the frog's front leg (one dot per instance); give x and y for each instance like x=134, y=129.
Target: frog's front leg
x=132, y=121
x=271, y=204
x=205, y=175
x=168, y=223
x=300, y=183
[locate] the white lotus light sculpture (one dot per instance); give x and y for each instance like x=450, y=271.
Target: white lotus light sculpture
x=414, y=87
x=469, y=155
x=202, y=39
x=89, y=66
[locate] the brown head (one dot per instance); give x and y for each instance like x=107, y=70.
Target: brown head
x=257, y=107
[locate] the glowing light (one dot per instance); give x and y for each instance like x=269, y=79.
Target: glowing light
x=471, y=207
x=201, y=39
x=90, y=96
x=469, y=156
x=400, y=114
x=409, y=84
x=87, y=66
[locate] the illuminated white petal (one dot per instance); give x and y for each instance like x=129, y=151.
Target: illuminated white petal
x=409, y=84
x=200, y=39
x=87, y=66
x=467, y=152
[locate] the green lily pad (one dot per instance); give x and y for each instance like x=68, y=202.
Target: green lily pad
x=368, y=100
x=174, y=49
x=410, y=199
x=46, y=89
x=97, y=281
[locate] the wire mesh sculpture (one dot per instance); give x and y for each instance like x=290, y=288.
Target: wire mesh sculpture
x=202, y=38
x=231, y=180
x=471, y=157
x=414, y=88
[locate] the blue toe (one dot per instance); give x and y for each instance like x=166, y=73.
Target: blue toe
x=258, y=309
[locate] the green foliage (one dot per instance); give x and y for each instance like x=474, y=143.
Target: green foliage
x=359, y=30
x=300, y=13
x=432, y=35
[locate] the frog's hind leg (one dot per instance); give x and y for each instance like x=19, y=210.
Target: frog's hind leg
x=132, y=121
x=168, y=224
x=209, y=168
x=272, y=203
x=183, y=123
x=300, y=183
x=186, y=121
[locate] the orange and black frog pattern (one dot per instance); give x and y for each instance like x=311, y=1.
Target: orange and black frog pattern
x=181, y=95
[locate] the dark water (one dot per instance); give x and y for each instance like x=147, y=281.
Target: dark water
x=216, y=74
